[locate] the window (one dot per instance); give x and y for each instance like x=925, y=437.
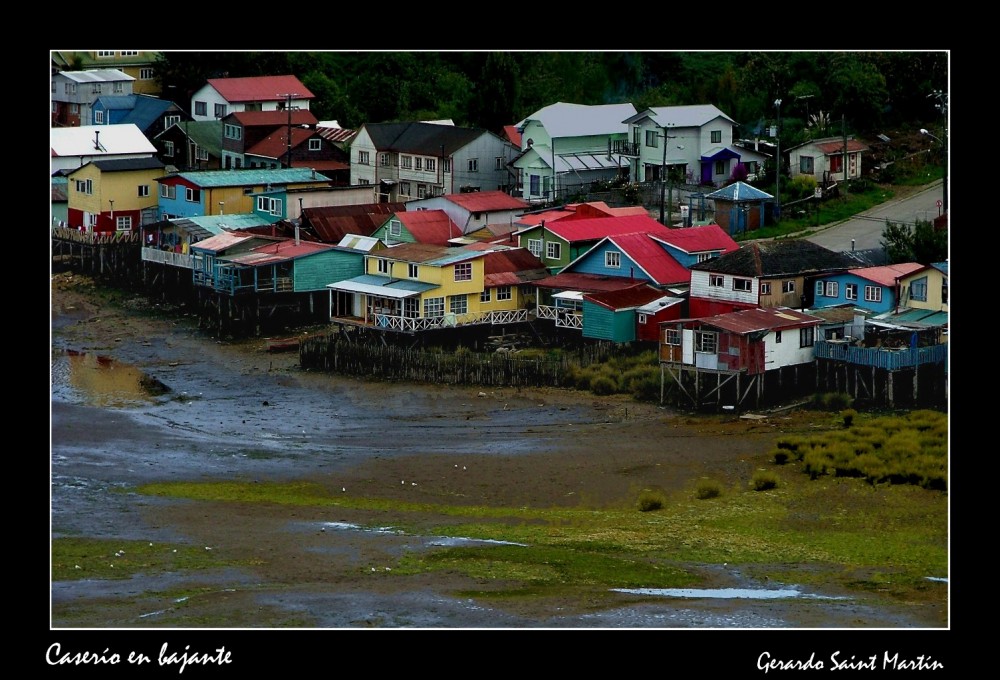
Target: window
x=716, y=136
x=535, y=247
x=806, y=165
x=445, y=165
x=720, y=167
x=96, y=88
x=434, y=307
x=421, y=191
x=118, y=87
x=652, y=138
x=146, y=74
x=315, y=144
x=123, y=223
x=671, y=336
x=706, y=341
x=411, y=270
x=200, y=153
x=192, y=195
x=498, y=163
x=944, y=292
x=788, y=286
x=459, y=304
x=765, y=288
x=504, y=293
x=918, y=290
x=168, y=191
x=851, y=291
x=873, y=294
x=418, y=163
x=742, y=284
x=200, y=109
x=406, y=162
x=170, y=120
x=716, y=280
x=364, y=158
x=383, y=160
x=220, y=110
x=395, y=227
x=105, y=53
x=643, y=318
x=85, y=186
x=463, y=271
x=832, y=289
x=473, y=165
x=613, y=260
x=233, y=131
x=269, y=205
x=383, y=266
x=430, y=164
x=129, y=53
x=534, y=184
x=404, y=189
x=485, y=295
x=704, y=257
x=553, y=250
x=168, y=148
x=807, y=336
x=98, y=117
x=777, y=336
x=142, y=190
x=74, y=108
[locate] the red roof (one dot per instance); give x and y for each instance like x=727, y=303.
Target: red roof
x=625, y=298
x=838, y=147
x=429, y=226
x=587, y=283
x=486, y=201
x=286, y=249
x=260, y=88
x=274, y=118
x=886, y=274
x=602, y=209
x=651, y=258
x=533, y=220
x=761, y=319
x=511, y=267
x=332, y=223
x=598, y=227
x=698, y=239
x=513, y=134
x=275, y=145
x=335, y=134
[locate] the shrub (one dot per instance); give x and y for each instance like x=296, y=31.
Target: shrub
x=848, y=414
x=780, y=456
x=832, y=401
x=708, y=488
x=651, y=499
x=602, y=385
x=763, y=480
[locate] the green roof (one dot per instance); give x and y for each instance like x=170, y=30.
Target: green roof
x=253, y=176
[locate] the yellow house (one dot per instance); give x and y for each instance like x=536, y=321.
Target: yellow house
x=111, y=196
x=925, y=288
x=419, y=286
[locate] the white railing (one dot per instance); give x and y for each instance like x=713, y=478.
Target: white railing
x=402, y=323
x=564, y=318
x=546, y=312
x=185, y=260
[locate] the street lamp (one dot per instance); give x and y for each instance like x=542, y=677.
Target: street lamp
x=944, y=175
x=777, y=164
x=112, y=202
x=663, y=174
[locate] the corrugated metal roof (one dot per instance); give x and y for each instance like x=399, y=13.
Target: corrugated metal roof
x=420, y=253
x=126, y=164
x=428, y=139
x=739, y=191
x=273, y=118
x=275, y=145
x=649, y=256
x=280, y=251
x=222, y=242
x=429, y=226
x=260, y=88
x=887, y=274
x=691, y=240
x=207, y=134
x=920, y=317
x=761, y=319
x=625, y=298
x=587, y=283
x=97, y=75
x=486, y=201
x=592, y=229
x=659, y=304
x=382, y=286
x=694, y=115
x=777, y=258
x=251, y=176
x=114, y=139
x=336, y=134
x=581, y=120
x=332, y=223
x=357, y=242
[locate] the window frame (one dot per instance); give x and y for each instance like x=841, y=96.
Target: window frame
x=553, y=250
x=716, y=281
x=458, y=304
x=706, y=342
x=807, y=336
x=788, y=286
x=612, y=259
x=745, y=284
x=716, y=136
x=463, y=271
x=765, y=288
x=672, y=337
x=505, y=293
x=873, y=293
x=142, y=191
x=535, y=247
x=850, y=291
x=433, y=307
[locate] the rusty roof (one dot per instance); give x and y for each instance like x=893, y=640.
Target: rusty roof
x=273, y=118
x=587, y=283
x=429, y=226
x=748, y=321
x=625, y=298
x=332, y=223
x=279, y=251
x=486, y=201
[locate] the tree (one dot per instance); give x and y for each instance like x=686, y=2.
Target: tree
x=921, y=243
x=497, y=93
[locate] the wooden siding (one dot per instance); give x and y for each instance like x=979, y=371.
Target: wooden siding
x=316, y=271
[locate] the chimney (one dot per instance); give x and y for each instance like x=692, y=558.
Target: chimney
x=97, y=140
x=313, y=172
x=296, y=234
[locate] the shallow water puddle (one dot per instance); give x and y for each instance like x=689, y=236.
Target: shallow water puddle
x=726, y=593
x=443, y=541
x=103, y=381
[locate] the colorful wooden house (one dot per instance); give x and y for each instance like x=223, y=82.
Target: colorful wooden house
x=113, y=196
x=724, y=358
x=420, y=226
x=332, y=223
x=873, y=288
x=628, y=314
x=925, y=288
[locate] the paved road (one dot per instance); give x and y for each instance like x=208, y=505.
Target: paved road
x=865, y=229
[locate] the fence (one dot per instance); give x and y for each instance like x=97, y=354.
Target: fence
x=390, y=362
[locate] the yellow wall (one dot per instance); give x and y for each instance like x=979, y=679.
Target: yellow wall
x=935, y=279
x=120, y=187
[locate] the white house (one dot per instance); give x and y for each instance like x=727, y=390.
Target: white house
x=824, y=159
x=73, y=147
x=699, y=144
x=415, y=160
x=567, y=146
x=222, y=96
x=74, y=93
x=475, y=210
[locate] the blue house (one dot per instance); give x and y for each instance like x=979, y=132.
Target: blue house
x=873, y=288
x=218, y=192
x=150, y=114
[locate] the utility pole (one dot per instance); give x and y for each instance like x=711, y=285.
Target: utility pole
x=777, y=164
x=663, y=175
x=288, y=107
x=843, y=126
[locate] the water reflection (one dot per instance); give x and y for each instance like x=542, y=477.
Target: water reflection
x=102, y=381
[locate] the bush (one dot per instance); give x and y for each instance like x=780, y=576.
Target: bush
x=708, y=488
x=763, y=480
x=832, y=401
x=651, y=499
x=848, y=414
x=780, y=456
x=602, y=385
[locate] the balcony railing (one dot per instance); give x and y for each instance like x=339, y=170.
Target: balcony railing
x=564, y=318
x=184, y=260
x=890, y=359
x=623, y=147
x=411, y=324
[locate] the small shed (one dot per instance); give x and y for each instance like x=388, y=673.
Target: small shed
x=614, y=315
x=739, y=207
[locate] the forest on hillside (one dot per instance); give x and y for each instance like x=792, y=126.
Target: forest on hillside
x=857, y=92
